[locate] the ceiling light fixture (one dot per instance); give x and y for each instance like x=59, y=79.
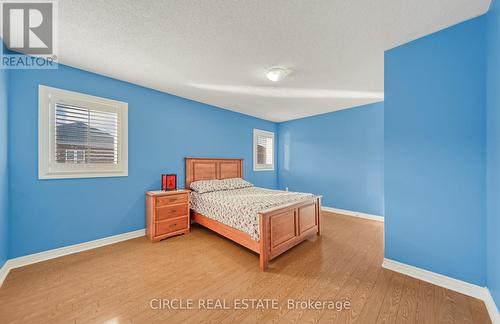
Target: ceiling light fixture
x=276, y=74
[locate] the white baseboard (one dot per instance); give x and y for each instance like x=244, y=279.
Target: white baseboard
x=353, y=213
x=437, y=279
x=59, y=252
x=4, y=271
x=491, y=307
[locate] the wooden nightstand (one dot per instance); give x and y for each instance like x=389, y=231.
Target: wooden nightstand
x=167, y=214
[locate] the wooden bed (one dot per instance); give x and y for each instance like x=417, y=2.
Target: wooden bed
x=281, y=228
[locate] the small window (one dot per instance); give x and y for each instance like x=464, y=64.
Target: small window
x=81, y=136
x=263, y=150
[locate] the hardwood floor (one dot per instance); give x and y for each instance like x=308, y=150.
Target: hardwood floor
x=116, y=283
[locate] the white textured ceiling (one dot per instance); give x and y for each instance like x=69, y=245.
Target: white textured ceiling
x=217, y=51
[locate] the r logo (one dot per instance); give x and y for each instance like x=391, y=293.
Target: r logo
x=28, y=27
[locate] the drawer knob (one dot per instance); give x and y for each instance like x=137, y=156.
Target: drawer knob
x=172, y=225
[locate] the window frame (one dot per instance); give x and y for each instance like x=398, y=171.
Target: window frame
x=48, y=168
x=264, y=133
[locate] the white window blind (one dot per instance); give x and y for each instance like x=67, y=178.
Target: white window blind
x=81, y=136
x=85, y=135
x=263, y=143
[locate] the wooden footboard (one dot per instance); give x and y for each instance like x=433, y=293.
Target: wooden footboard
x=284, y=227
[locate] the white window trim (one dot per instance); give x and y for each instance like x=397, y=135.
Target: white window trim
x=47, y=97
x=256, y=166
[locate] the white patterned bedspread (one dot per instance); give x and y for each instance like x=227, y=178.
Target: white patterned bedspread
x=239, y=208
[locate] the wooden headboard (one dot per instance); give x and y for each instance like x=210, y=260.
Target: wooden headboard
x=209, y=168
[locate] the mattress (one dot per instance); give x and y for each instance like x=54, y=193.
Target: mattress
x=239, y=208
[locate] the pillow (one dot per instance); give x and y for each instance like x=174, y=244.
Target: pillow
x=203, y=186
x=235, y=183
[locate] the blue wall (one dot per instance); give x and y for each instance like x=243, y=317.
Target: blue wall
x=493, y=157
x=163, y=129
x=4, y=183
x=339, y=155
x=435, y=149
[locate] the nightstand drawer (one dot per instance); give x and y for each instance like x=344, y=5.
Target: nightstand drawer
x=169, y=226
x=170, y=200
x=172, y=211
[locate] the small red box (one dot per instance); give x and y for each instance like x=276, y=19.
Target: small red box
x=168, y=182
